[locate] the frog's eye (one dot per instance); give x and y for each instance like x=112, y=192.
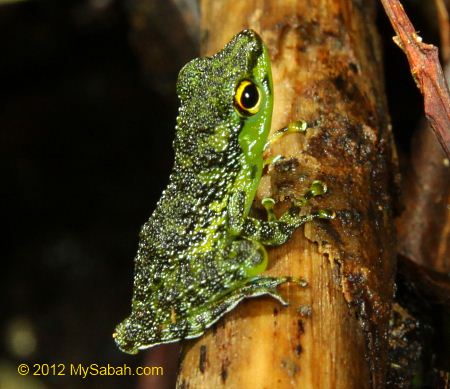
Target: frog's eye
x=247, y=98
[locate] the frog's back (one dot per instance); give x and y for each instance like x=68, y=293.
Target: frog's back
x=185, y=240
x=193, y=207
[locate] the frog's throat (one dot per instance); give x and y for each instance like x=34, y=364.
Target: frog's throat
x=255, y=132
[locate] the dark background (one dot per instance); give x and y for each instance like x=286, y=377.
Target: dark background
x=85, y=148
x=85, y=152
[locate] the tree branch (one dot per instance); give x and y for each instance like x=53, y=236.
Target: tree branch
x=427, y=72
x=327, y=71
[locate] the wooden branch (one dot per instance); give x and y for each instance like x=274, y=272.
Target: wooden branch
x=427, y=72
x=326, y=67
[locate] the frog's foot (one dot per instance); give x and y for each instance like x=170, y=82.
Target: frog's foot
x=294, y=220
x=317, y=188
x=262, y=285
x=204, y=317
x=298, y=126
x=292, y=217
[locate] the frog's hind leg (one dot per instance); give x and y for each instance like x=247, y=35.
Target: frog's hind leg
x=248, y=258
x=245, y=262
x=254, y=262
x=251, y=259
x=257, y=286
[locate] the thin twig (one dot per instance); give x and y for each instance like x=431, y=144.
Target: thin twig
x=427, y=72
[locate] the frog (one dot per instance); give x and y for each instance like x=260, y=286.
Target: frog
x=201, y=252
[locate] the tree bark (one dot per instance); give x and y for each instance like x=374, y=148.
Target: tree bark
x=327, y=70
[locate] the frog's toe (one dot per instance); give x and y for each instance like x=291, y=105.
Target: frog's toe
x=298, y=127
x=266, y=286
x=317, y=188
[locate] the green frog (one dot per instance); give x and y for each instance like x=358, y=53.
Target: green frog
x=201, y=253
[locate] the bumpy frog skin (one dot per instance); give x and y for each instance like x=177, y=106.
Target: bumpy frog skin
x=200, y=253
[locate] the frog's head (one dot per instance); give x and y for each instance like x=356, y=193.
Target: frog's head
x=253, y=94
x=232, y=90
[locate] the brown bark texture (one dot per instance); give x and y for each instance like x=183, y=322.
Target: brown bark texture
x=424, y=226
x=327, y=71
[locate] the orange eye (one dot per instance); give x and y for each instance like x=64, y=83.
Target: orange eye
x=247, y=97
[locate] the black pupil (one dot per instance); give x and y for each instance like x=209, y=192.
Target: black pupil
x=249, y=96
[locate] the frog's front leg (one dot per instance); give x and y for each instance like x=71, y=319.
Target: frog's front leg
x=273, y=232
x=297, y=127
